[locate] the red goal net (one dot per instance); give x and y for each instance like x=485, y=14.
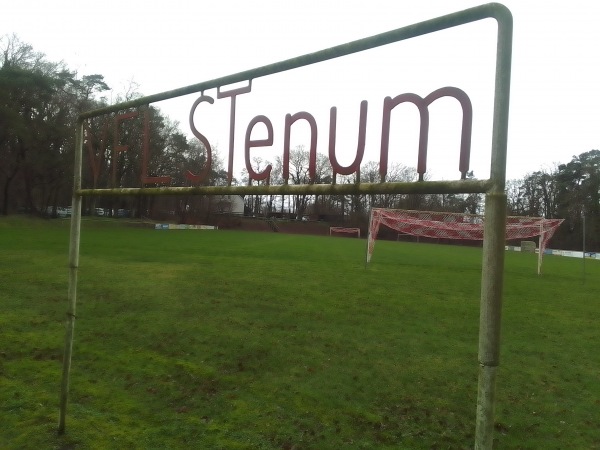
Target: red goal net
x=456, y=226
x=344, y=231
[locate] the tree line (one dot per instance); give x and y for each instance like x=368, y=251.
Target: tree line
x=568, y=191
x=39, y=104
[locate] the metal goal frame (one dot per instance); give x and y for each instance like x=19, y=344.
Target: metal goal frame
x=493, y=188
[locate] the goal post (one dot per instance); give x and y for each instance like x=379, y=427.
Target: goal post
x=346, y=231
x=457, y=226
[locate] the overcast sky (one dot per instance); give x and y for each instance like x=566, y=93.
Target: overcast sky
x=161, y=46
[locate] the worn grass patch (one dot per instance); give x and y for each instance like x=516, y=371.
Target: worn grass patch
x=215, y=339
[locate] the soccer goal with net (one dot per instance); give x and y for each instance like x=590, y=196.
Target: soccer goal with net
x=344, y=231
x=445, y=225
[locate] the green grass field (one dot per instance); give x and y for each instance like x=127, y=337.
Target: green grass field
x=230, y=340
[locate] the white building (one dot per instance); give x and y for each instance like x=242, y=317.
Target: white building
x=229, y=204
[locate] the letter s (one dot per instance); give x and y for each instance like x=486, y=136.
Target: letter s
x=196, y=179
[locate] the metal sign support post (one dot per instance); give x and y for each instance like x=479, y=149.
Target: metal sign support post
x=73, y=268
x=492, y=274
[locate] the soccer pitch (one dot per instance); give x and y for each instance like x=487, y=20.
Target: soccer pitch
x=222, y=339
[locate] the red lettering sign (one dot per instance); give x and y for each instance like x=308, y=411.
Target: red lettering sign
x=202, y=176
